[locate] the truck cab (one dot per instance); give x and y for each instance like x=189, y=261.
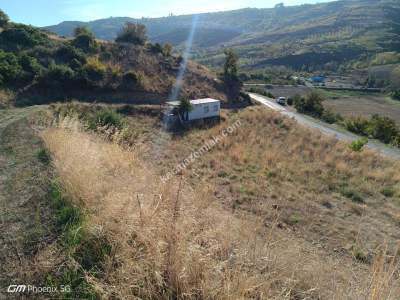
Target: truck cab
x=281, y=100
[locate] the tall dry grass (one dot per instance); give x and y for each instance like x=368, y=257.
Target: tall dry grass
x=173, y=241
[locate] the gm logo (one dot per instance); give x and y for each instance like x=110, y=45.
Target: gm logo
x=16, y=288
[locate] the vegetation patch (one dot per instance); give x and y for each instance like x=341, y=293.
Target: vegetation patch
x=106, y=118
x=352, y=195
x=359, y=144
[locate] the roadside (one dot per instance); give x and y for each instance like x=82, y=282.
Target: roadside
x=26, y=222
x=327, y=129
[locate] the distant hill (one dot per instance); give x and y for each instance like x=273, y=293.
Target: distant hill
x=305, y=36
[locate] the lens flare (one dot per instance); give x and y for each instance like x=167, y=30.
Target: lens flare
x=186, y=55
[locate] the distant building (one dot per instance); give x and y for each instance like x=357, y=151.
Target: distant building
x=201, y=109
x=318, y=79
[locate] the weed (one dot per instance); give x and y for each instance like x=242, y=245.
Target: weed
x=388, y=192
x=92, y=252
x=43, y=156
x=106, y=118
x=294, y=219
x=72, y=284
x=359, y=144
x=353, y=195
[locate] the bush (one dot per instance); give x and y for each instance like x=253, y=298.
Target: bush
x=290, y=101
x=331, y=117
x=10, y=70
x=66, y=53
x=388, y=192
x=132, y=33
x=20, y=36
x=357, y=125
x=93, y=71
x=84, y=39
x=359, y=144
x=396, y=95
x=57, y=75
x=311, y=104
x=43, y=156
x=30, y=64
x=156, y=48
x=106, y=118
x=131, y=78
x=382, y=128
x=353, y=195
x=167, y=50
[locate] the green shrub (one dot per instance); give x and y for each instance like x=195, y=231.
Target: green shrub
x=290, y=101
x=93, y=71
x=156, y=48
x=106, y=118
x=357, y=125
x=84, y=39
x=353, y=195
x=57, y=75
x=331, y=117
x=43, y=156
x=30, y=65
x=10, y=69
x=75, y=64
x=167, y=50
x=132, y=33
x=359, y=144
x=75, y=279
x=92, y=251
x=69, y=218
x=66, y=53
x=131, y=80
x=310, y=104
x=382, y=128
x=19, y=36
x=388, y=192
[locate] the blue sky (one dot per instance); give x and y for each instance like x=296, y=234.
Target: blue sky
x=49, y=12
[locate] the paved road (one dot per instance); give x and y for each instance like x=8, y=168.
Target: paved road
x=326, y=129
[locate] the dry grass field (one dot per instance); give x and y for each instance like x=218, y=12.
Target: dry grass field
x=272, y=211
x=359, y=104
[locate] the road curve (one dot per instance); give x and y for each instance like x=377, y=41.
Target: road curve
x=326, y=129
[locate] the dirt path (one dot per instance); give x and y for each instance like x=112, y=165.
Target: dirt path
x=326, y=129
x=25, y=217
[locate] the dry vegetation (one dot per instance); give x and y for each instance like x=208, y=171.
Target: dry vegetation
x=266, y=214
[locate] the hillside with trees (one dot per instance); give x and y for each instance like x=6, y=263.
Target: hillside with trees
x=38, y=67
x=346, y=34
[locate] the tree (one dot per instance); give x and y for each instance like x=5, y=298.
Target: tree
x=133, y=33
x=184, y=108
x=4, y=19
x=167, y=50
x=311, y=104
x=231, y=77
x=10, y=69
x=82, y=30
x=84, y=39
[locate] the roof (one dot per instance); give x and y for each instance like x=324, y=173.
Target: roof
x=195, y=102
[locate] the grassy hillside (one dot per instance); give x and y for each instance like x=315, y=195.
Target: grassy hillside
x=37, y=67
x=272, y=211
x=306, y=36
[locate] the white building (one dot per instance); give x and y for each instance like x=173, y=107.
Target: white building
x=201, y=108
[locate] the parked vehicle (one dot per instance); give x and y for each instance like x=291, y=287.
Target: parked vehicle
x=281, y=100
